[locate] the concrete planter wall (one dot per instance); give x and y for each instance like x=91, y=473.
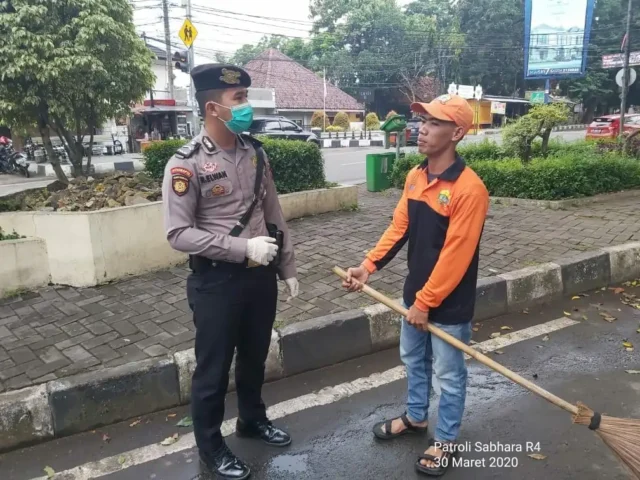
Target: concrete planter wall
x=23, y=264
x=89, y=248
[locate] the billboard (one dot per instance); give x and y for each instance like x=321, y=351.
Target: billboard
x=556, y=37
x=617, y=60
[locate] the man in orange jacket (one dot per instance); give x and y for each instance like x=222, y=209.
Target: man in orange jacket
x=441, y=213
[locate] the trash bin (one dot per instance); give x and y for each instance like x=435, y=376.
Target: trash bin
x=379, y=168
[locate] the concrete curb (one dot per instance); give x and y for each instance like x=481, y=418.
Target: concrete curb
x=86, y=401
x=571, y=202
x=46, y=170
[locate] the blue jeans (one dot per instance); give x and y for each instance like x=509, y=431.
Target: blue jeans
x=423, y=353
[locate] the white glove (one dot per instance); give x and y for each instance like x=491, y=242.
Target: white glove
x=294, y=287
x=261, y=250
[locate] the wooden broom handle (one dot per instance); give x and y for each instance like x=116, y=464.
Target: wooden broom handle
x=472, y=352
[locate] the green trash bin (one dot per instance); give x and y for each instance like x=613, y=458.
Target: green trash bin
x=379, y=168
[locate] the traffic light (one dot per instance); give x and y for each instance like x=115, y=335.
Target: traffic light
x=181, y=60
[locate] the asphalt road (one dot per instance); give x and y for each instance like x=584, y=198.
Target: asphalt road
x=330, y=413
x=348, y=165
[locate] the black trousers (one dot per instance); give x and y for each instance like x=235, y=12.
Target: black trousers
x=233, y=309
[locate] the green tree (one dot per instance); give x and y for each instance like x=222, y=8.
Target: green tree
x=493, y=54
x=539, y=122
x=67, y=66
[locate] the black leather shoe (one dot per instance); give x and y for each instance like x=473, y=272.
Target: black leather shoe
x=224, y=464
x=265, y=431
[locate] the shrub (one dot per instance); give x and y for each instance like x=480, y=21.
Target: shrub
x=296, y=166
x=341, y=120
x=158, y=154
x=319, y=119
x=570, y=171
x=559, y=177
x=10, y=236
x=390, y=114
x=334, y=128
x=402, y=166
x=485, y=150
x=372, y=121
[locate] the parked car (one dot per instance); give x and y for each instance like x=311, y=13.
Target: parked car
x=413, y=126
x=608, y=126
x=280, y=127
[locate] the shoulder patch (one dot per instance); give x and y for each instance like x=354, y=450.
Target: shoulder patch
x=188, y=150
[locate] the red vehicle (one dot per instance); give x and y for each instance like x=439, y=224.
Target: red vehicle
x=608, y=126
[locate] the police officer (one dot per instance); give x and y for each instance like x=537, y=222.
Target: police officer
x=221, y=207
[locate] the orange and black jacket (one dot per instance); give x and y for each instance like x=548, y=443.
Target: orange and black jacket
x=443, y=221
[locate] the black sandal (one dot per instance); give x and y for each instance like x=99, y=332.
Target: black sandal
x=386, y=433
x=443, y=461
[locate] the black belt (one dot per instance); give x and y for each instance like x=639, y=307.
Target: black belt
x=199, y=264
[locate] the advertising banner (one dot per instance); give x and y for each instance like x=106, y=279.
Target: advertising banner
x=617, y=60
x=556, y=38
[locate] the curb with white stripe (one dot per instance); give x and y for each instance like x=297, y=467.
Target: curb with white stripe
x=69, y=405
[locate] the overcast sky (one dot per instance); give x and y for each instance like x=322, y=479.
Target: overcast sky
x=224, y=26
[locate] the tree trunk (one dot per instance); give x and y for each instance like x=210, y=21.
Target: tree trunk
x=48, y=147
x=629, y=141
x=74, y=146
x=545, y=141
x=90, y=153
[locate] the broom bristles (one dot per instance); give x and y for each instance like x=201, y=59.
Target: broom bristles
x=621, y=435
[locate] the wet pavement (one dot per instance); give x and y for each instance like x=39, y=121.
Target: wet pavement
x=331, y=429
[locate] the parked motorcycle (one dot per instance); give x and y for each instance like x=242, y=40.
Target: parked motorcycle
x=11, y=161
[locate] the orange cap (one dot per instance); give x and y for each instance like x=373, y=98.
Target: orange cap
x=449, y=108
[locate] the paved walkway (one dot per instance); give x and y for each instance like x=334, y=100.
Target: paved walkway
x=61, y=331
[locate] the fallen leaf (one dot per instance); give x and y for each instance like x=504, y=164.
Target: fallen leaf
x=170, y=440
x=607, y=317
x=633, y=372
x=525, y=311
x=172, y=415
x=638, y=330
x=567, y=314
x=627, y=344
x=185, y=422
x=537, y=456
x=475, y=329
x=618, y=290
x=472, y=342
x=545, y=338
x=540, y=346
x=575, y=298
x=121, y=460
x=479, y=325
x=137, y=422
x=506, y=328
x=106, y=438
x=584, y=317
x=498, y=352
x=49, y=471
x=603, y=289
x=495, y=335
x=629, y=349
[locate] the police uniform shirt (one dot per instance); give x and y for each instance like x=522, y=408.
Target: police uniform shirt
x=205, y=192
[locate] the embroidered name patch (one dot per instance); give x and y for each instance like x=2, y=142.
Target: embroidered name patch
x=213, y=177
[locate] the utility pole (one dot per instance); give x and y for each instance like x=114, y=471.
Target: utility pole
x=167, y=41
x=192, y=89
x=625, y=81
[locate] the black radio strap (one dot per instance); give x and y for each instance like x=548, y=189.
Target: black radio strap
x=242, y=223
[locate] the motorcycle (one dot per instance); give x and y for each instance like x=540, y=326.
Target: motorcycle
x=12, y=161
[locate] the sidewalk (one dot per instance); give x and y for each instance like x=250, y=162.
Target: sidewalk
x=57, y=332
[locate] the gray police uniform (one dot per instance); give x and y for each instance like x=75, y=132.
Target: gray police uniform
x=206, y=191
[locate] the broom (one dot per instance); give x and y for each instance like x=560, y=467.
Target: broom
x=622, y=435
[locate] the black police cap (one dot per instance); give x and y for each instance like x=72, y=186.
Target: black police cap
x=218, y=76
